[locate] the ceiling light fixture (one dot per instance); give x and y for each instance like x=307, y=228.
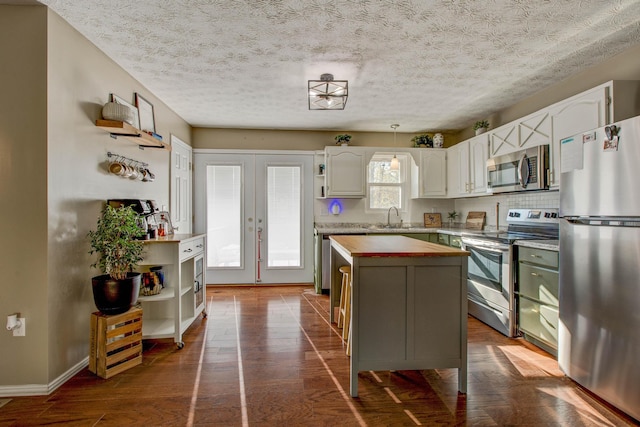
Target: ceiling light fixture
x=395, y=163
x=328, y=94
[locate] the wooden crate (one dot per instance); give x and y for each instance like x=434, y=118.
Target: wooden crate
x=116, y=342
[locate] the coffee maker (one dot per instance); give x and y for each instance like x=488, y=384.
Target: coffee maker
x=153, y=221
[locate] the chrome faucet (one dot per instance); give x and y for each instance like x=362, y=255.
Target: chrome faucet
x=389, y=215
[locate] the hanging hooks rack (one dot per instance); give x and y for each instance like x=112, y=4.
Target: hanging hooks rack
x=135, y=163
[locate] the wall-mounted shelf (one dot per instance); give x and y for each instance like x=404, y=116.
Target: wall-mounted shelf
x=131, y=134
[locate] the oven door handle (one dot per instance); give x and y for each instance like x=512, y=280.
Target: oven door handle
x=485, y=248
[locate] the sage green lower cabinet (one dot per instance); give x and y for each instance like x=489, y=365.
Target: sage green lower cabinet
x=426, y=237
x=449, y=240
x=537, y=297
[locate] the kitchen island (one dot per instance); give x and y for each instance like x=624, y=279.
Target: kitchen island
x=408, y=304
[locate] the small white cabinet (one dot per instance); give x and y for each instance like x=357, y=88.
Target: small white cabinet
x=345, y=172
x=320, y=176
x=169, y=313
x=429, y=173
x=468, y=163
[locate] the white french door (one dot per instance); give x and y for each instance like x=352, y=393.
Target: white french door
x=257, y=212
x=180, y=187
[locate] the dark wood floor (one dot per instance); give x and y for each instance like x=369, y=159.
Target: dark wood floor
x=267, y=356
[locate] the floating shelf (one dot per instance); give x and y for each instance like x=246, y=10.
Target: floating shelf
x=131, y=134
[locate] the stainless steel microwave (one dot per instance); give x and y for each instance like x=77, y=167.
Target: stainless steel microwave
x=520, y=171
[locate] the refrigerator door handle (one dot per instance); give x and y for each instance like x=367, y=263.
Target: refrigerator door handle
x=523, y=171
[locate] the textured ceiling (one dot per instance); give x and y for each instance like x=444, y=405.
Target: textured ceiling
x=426, y=64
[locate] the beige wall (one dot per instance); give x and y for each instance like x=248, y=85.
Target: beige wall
x=260, y=139
x=53, y=170
x=23, y=192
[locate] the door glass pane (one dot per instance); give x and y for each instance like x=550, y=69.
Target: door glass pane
x=284, y=212
x=224, y=215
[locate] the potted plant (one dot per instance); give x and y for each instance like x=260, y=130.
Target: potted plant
x=481, y=126
x=115, y=241
x=452, y=217
x=343, y=139
x=423, y=140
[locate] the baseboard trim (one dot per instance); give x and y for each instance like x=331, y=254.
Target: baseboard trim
x=43, y=389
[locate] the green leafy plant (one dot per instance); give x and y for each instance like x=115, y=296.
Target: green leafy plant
x=452, y=215
x=481, y=124
x=343, y=138
x=420, y=140
x=115, y=241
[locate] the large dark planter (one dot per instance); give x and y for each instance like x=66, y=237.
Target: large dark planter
x=115, y=296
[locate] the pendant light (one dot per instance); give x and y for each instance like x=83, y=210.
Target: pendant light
x=395, y=163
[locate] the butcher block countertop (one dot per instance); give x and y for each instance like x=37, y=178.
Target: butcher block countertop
x=393, y=246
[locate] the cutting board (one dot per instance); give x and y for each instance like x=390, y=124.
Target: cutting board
x=475, y=220
x=432, y=220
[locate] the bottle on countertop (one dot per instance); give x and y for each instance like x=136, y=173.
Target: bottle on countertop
x=163, y=225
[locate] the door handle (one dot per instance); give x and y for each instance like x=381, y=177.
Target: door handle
x=523, y=171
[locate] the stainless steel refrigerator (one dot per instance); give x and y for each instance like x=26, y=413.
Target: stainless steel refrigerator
x=599, y=331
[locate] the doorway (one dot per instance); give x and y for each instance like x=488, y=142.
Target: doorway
x=257, y=212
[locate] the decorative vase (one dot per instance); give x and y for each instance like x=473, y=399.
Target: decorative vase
x=480, y=130
x=118, y=112
x=438, y=140
x=115, y=296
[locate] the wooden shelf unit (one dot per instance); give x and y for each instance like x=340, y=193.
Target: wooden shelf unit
x=131, y=134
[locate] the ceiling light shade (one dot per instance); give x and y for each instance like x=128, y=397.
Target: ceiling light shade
x=395, y=163
x=328, y=94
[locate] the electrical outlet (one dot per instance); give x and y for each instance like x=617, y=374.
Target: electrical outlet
x=21, y=331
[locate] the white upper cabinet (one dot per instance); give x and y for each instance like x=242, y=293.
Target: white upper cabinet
x=479, y=154
x=468, y=167
x=505, y=139
x=345, y=172
x=607, y=103
x=580, y=113
x=534, y=130
x=429, y=178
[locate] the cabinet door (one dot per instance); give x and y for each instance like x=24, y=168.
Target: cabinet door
x=535, y=130
x=433, y=173
x=479, y=154
x=345, y=173
x=464, y=181
x=504, y=140
x=453, y=186
x=577, y=114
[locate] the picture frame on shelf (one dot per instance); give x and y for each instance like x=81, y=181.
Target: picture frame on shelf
x=136, y=117
x=145, y=110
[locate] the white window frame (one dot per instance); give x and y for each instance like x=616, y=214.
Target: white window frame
x=404, y=184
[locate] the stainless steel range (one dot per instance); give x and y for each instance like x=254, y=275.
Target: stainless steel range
x=491, y=268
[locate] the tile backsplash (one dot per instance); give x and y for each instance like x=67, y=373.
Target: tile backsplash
x=354, y=210
x=489, y=204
